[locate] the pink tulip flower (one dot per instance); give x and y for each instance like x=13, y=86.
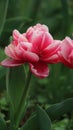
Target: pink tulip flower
x=45, y=47
x=36, y=46
x=66, y=53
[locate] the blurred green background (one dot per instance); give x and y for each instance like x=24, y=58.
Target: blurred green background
x=58, y=16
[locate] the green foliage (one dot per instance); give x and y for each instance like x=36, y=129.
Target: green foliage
x=2, y=71
x=15, y=80
x=44, y=121
x=17, y=92
x=60, y=125
x=2, y=124
x=15, y=84
x=22, y=14
x=39, y=121
x=31, y=124
x=59, y=109
x=3, y=13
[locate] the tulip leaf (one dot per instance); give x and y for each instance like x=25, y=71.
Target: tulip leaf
x=3, y=13
x=2, y=71
x=2, y=124
x=2, y=78
x=44, y=122
x=31, y=124
x=15, y=23
x=57, y=110
x=15, y=81
x=39, y=121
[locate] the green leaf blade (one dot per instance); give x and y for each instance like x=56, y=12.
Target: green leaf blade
x=30, y=124
x=3, y=13
x=15, y=84
x=39, y=121
x=59, y=109
x=43, y=119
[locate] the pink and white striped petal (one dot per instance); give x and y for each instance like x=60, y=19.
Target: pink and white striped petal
x=11, y=63
x=39, y=69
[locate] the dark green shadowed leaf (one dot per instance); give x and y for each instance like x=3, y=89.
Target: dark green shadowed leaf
x=59, y=109
x=31, y=124
x=66, y=17
x=44, y=122
x=2, y=124
x=3, y=13
x=39, y=121
x=15, y=84
x=2, y=71
x=2, y=79
x=15, y=23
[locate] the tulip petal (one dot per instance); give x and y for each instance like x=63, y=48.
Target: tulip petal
x=9, y=51
x=16, y=34
x=66, y=47
x=65, y=62
x=66, y=53
x=26, y=45
x=39, y=69
x=46, y=40
x=26, y=56
x=19, y=53
x=30, y=57
x=11, y=63
x=18, y=37
x=37, y=28
x=52, y=59
x=40, y=41
x=36, y=41
x=51, y=49
x=40, y=27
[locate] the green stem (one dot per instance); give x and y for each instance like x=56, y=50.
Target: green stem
x=22, y=105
